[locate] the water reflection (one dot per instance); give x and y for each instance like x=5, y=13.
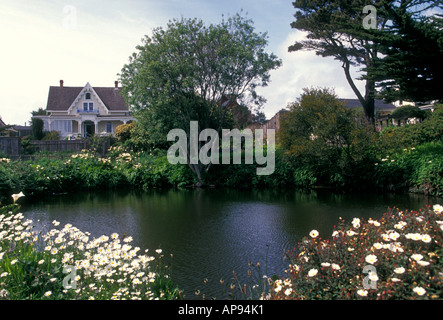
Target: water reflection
x=213, y=232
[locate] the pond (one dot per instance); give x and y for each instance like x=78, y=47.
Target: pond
x=213, y=232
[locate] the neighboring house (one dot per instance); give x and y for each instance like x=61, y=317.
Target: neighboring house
x=22, y=131
x=14, y=130
x=382, y=109
x=424, y=106
x=428, y=105
x=273, y=123
x=83, y=111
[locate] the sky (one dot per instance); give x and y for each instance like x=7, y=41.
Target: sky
x=82, y=41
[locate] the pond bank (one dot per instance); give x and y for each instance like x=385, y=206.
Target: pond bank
x=417, y=170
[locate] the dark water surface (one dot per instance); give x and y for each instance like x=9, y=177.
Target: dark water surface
x=213, y=232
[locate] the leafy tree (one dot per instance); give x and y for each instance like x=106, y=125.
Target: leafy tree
x=181, y=74
x=259, y=117
x=320, y=133
x=335, y=29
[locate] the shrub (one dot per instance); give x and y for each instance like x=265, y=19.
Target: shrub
x=394, y=139
x=123, y=132
x=304, y=177
x=86, y=170
x=328, y=143
x=403, y=251
x=419, y=169
x=8, y=180
x=408, y=111
x=51, y=135
x=427, y=176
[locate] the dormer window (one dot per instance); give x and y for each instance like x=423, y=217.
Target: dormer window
x=88, y=96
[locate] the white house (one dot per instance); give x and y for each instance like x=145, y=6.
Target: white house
x=82, y=111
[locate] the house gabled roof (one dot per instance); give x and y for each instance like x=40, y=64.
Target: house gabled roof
x=2, y=124
x=60, y=98
x=111, y=97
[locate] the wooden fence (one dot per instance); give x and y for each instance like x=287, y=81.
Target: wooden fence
x=12, y=147
x=58, y=145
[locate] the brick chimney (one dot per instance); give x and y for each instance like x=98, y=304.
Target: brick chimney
x=61, y=83
x=116, y=84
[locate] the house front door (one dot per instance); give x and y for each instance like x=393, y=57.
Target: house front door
x=89, y=128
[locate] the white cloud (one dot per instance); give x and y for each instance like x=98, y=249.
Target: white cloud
x=300, y=70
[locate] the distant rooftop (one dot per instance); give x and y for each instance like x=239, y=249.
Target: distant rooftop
x=380, y=105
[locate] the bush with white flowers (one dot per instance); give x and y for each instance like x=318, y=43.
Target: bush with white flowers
x=66, y=263
x=396, y=257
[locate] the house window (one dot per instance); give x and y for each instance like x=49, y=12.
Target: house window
x=88, y=106
x=64, y=126
x=87, y=96
x=109, y=127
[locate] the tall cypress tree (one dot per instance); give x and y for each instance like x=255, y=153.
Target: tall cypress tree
x=335, y=29
x=411, y=67
x=401, y=48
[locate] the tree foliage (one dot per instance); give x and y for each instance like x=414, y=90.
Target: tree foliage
x=123, y=131
x=335, y=29
x=412, y=47
x=37, y=124
x=181, y=74
x=320, y=133
x=408, y=111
